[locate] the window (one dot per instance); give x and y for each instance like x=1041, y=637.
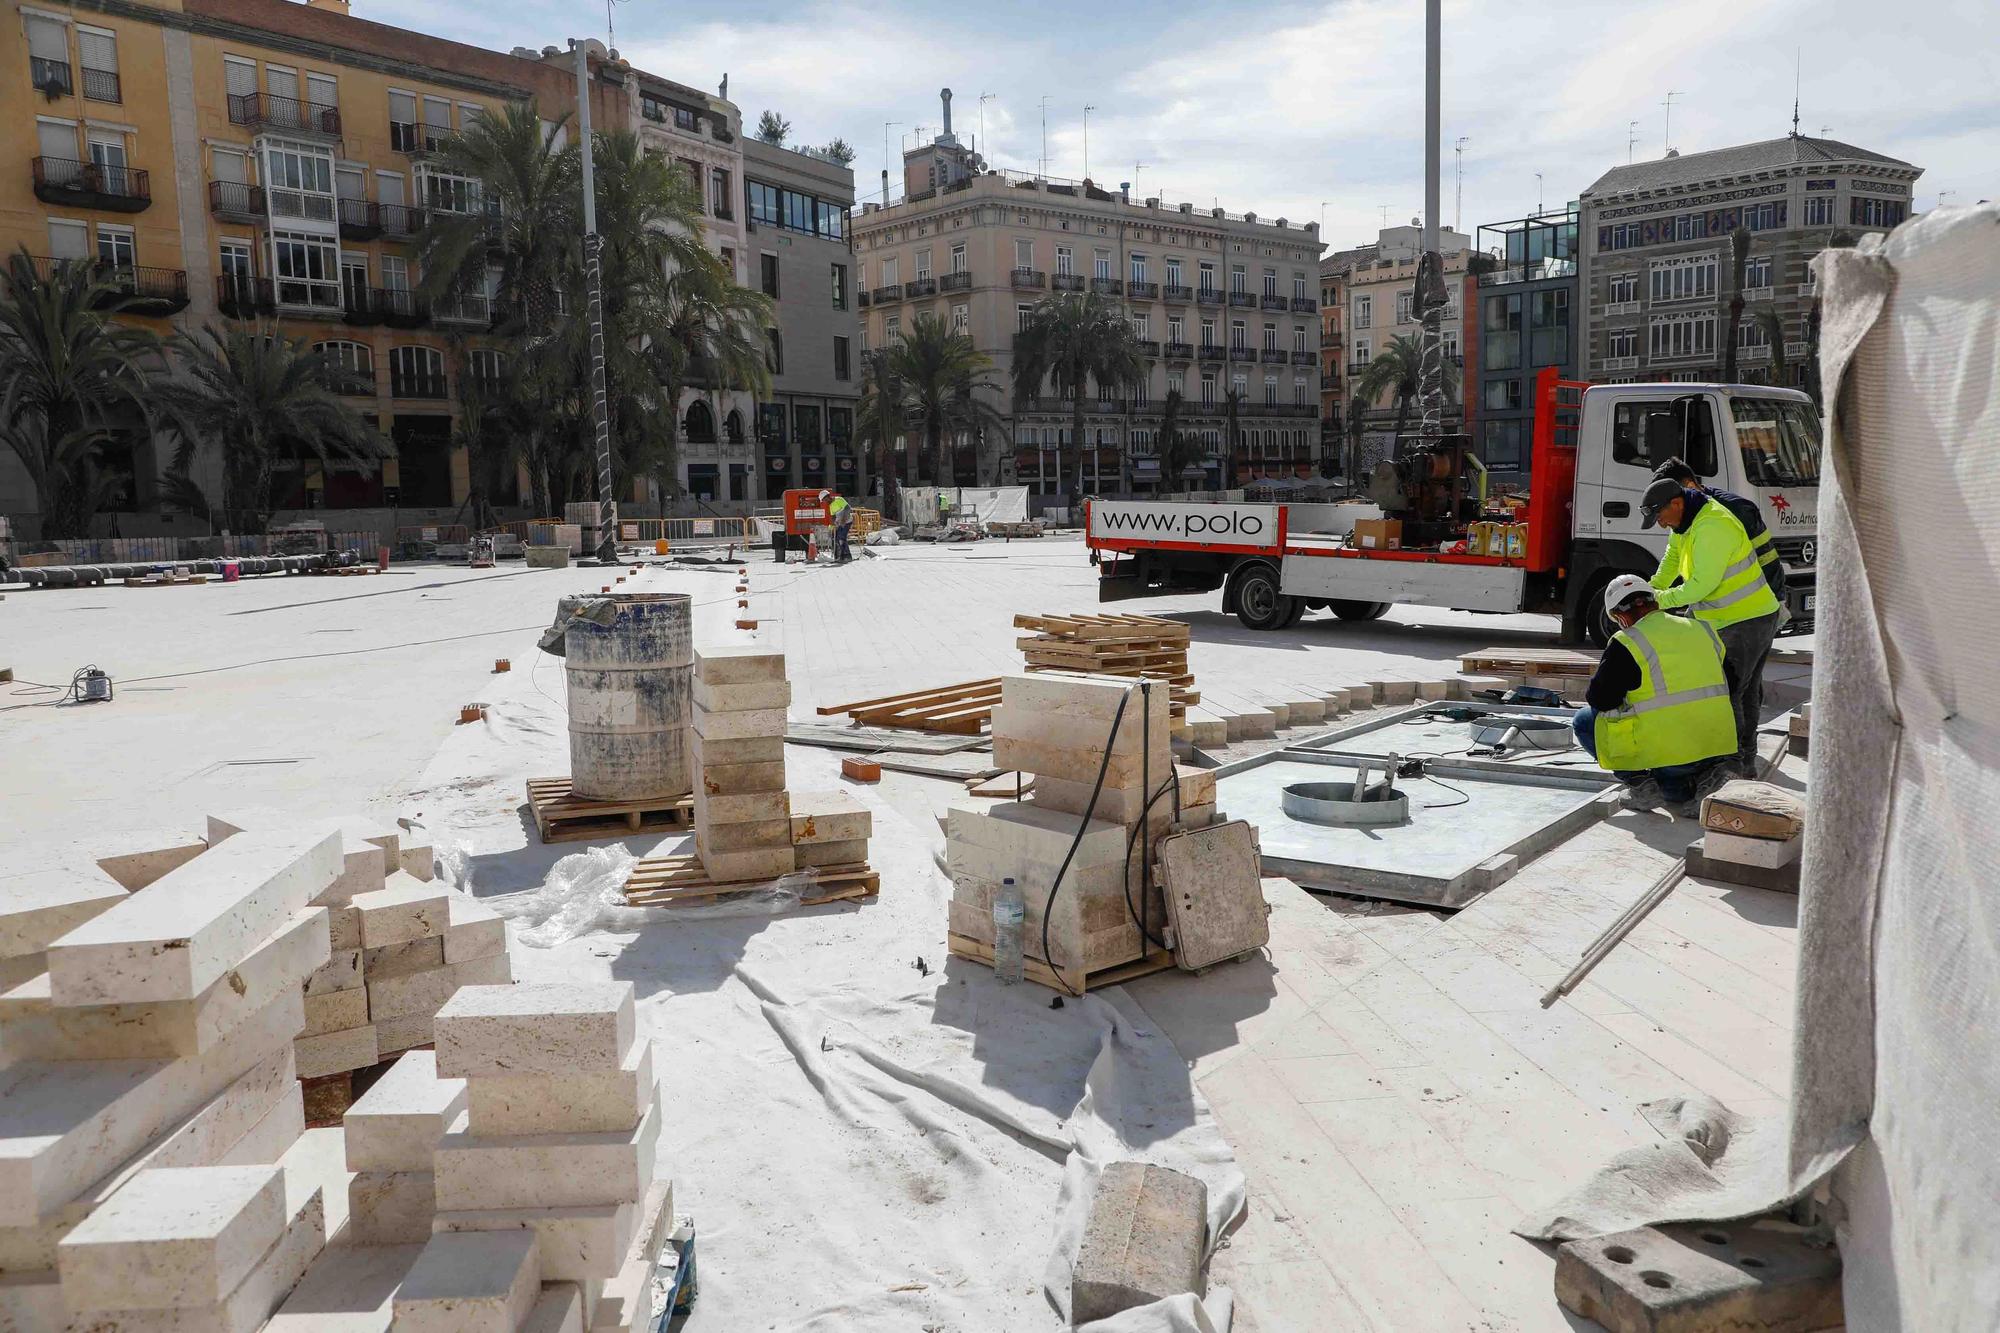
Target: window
x=1208, y=390
x=1024, y=253
x=1208, y=333
x=1142, y=327
x=1299, y=394
x=1682, y=336
x=840, y=360
x=764, y=204
x=97, y=58
x=767, y=269
x=1270, y=282
x=889, y=271
x=352, y=366
x=1752, y=333
x=447, y=192
x=1207, y=276
x=1404, y=302
x=1548, y=326
x=107, y=154
x=235, y=257
x=923, y=264
x=1757, y=273
x=720, y=200
x=1177, y=382
x=1819, y=211
x=1065, y=261
x=1502, y=395
x=958, y=258
x=1622, y=343
x=306, y=268
x=1364, y=312
x=323, y=90
x=1648, y=433
x=488, y=366
x=1780, y=441
x=298, y=180
x=403, y=136
x=1173, y=273
x=1270, y=392
x=68, y=240
x=1875, y=212
x=894, y=328
x=1237, y=339
x=115, y=247
x=961, y=319
x=282, y=81
x=1763, y=217
x=1021, y=313
x=840, y=286
x=1237, y=286
x=354, y=281
x=1363, y=352
x=1299, y=340
x=1501, y=333
x=1270, y=337
x=48, y=55
x=437, y=122
x=395, y=273
x=775, y=356
x=1138, y=268
x=798, y=209
x=1623, y=289
x=805, y=421
x=830, y=220
x=1683, y=279
x=1101, y=264
x=1501, y=445
x=416, y=372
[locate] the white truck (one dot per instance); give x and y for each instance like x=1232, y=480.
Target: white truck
x=1595, y=448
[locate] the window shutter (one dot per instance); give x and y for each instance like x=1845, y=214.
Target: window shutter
x=68, y=240
x=389, y=189
x=281, y=82
x=349, y=183
x=47, y=39
x=97, y=50
x=57, y=141
x=321, y=90
x=229, y=167
x=239, y=77
x=437, y=114
x=402, y=108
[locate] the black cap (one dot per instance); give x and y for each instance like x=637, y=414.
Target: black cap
x=1658, y=496
x=1674, y=469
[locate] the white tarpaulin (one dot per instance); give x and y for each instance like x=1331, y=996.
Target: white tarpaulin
x=993, y=504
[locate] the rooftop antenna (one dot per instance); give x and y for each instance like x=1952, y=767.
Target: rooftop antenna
x=1631, y=138
x=1458, y=207
x=984, y=98
x=1538, y=194
x=1825, y=130
x=1087, y=109
x=1137, y=167
x=1667, y=132
x=887, y=125
x=1045, y=137
x=1798, y=61
x=1322, y=215
x=1384, y=210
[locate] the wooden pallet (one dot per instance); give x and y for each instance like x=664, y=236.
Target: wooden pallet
x=965, y=709
x=188, y=582
x=348, y=571
x=1068, y=980
x=561, y=817
x=1528, y=662
x=1140, y=647
x=680, y=881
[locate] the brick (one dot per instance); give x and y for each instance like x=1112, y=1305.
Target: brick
x=135, y=858
x=606, y=1101
x=730, y=726
x=831, y=853
x=173, y=1237
x=749, y=696
x=559, y=1309
x=390, y=1207
x=738, y=665
x=546, y=1170
x=739, y=779
x=556, y=1028
x=476, y=930
x=187, y=929
x=335, y=1011
x=403, y=909
x=625, y=1304
x=397, y=960
x=742, y=750
x=348, y=1289
x=470, y=1282
x=856, y=769
x=829, y=816
x=750, y=807
x=397, y=1123
x=39, y=907
x=1143, y=1242
x=576, y=1243
x=1682, y=1278
x=335, y=1052
x=742, y=866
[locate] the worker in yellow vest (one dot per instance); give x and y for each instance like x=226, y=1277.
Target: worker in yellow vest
x=1711, y=570
x=1658, y=711
x=842, y=515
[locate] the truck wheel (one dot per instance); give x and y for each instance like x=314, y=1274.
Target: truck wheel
x=1259, y=604
x=1351, y=610
x=1296, y=614
x=1597, y=626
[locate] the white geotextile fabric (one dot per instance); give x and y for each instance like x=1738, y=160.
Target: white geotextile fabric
x=863, y=1145
x=1899, y=921
x=994, y=504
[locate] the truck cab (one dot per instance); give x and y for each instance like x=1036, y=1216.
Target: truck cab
x=1760, y=442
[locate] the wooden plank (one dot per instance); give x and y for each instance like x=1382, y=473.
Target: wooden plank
x=680, y=881
x=941, y=692
x=1072, y=981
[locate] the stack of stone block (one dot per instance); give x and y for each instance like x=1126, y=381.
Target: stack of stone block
x=1055, y=726
x=829, y=828
x=545, y=1185
x=159, y=1040
x=391, y=1136
x=401, y=944
x=742, y=816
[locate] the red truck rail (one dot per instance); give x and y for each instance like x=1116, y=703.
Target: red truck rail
x=1552, y=469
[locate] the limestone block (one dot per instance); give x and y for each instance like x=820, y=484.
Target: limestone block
x=625, y=1304
x=390, y=1207
x=607, y=1101
x=1763, y=853
x=1035, y=833
x=739, y=779
x=247, y=1308
x=556, y=1028
x=545, y=1170
x=31, y=1302
x=364, y=860
x=343, y=927
x=1143, y=1242
x=173, y=1237
x=317, y=1162
x=831, y=853
x=396, y=1035
x=276, y=1134
x=411, y=994
x=559, y=1309
x=1737, y=1275
x=26, y=967
x=742, y=750
x=1394, y=691
x=750, y=696
x=1073, y=760
x=403, y=909
x=418, y=857
x=754, y=835
x=64, y=1123
x=38, y=907
x=168, y=1028
x=738, y=664
x=1478, y=686
x=333, y=1052
x=348, y=1289
x=137, y=857
x=738, y=867
x=179, y=935
x=1121, y=804
x=397, y=960
x=476, y=930
x=470, y=1282
x=396, y=1124
x=967, y=862
x=730, y=726
x=576, y=1243
x=1057, y=705
x=335, y=1012
x=340, y=972
x=1070, y=942
x=749, y=807
x=829, y=816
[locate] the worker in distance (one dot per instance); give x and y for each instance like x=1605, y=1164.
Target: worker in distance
x=1711, y=570
x=842, y=515
x=1658, y=712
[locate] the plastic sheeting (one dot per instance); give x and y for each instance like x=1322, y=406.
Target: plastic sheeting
x=993, y=504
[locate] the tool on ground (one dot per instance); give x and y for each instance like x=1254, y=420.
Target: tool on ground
x=90, y=686
x=1601, y=947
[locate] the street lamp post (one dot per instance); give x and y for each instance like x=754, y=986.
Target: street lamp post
x=593, y=283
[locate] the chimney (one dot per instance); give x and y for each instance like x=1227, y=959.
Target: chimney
x=945, y=96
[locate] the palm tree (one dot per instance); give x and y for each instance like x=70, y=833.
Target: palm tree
x=1357, y=426
x=1070, y=341
x=71, y=382
x=773, y=128
x=944, y=382
x=1232, y=411
x=880, y=420
x=1179, y=450
x=1739, y=257
x=262, y=398
x=1398, y=368
x=1768, y=319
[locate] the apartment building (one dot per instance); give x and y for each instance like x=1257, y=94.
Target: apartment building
x=1223, y=305
x=1526, y=316
x=1654, y=261
x=1379, y=282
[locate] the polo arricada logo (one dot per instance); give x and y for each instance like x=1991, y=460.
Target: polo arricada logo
x=1780, y=503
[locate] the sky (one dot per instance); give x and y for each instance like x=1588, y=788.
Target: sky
x=1315, y=112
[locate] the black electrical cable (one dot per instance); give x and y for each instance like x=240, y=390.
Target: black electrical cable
x=1089, y=809
x=1172, y=784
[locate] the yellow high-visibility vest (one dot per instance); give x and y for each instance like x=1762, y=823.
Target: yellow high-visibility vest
x=1680, y=713
x=1721, y=579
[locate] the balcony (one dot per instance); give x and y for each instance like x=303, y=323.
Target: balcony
x=1107, y=286
x=1213, y=352
x=1753, y=293
x=920, y=287
x=1621, y=363
x=360, y=220
x=400, y=309
x=1148, y=347
x=955, y=282
x=102, y=85
x=1066, y=282
x=1331, y=342
x=1242, y=354
x=51, y=77
x=399, y=222
x=244, y=298
x=1754, y=356
x=360, y=308
x=1272, y=356
x=233, y=201
x=416, y=386
x=1243, y=300
x=1177, y=294
x=1357, y=368
x=463, y=308
x=1180, y=351
x=1303, y=358
x=1794, y=350
x=92, y=185
x=133, y=290
x=865, y=299
x=885, y=295
x=1273, y=301
x=1209, y=296
x=266, y=111
x=1279, y=410
x=1304, y=305
x=1143, y=291
x=1610, y=307
x=1028, y=279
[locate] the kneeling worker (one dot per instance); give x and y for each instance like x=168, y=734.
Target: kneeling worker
x=842, y=514
x=1658, y=712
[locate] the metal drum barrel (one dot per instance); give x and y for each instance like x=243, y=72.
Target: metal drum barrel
x=630, y=698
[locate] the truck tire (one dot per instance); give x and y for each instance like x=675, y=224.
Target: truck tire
x=1259, y=603
x=1597, y=626
x=1297, y=613
x=1351, y=610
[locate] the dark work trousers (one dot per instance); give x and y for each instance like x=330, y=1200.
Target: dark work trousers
x=1745, y=645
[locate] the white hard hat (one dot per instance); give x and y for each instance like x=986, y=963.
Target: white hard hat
x=826, y=495
x=1623, y=589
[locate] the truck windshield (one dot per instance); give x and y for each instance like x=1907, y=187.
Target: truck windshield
x=1780, y=441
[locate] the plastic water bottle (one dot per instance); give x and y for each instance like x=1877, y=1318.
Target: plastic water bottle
x=1008, y=914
